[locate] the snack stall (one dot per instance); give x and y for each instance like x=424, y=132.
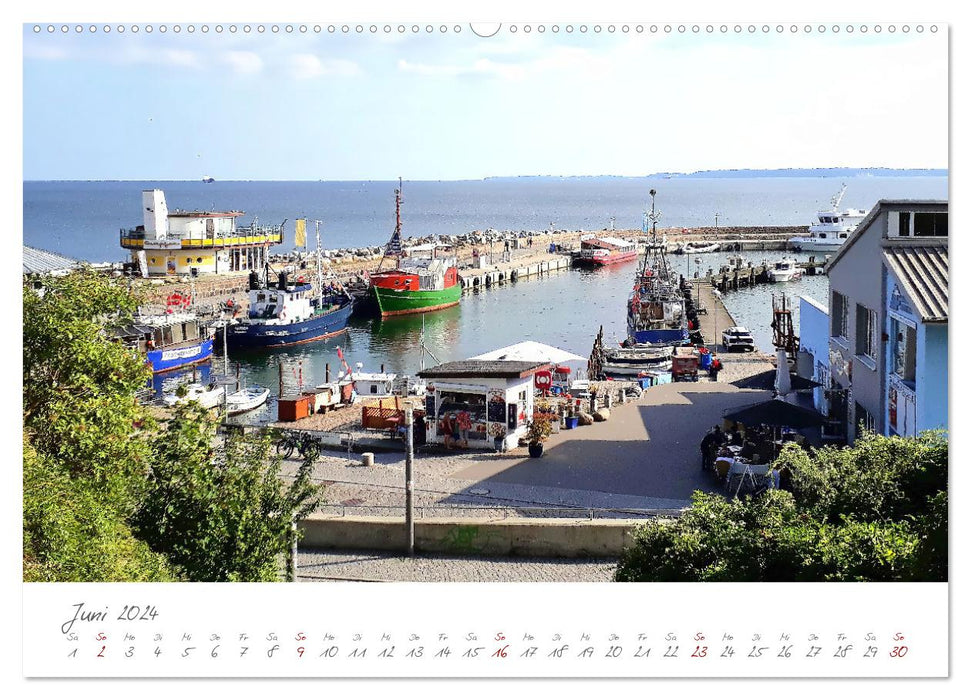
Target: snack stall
x=497, y=394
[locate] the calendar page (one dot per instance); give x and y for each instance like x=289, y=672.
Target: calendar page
x=594, y=343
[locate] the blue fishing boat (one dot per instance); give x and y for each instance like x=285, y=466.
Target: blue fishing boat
x=288, y=314
x=168, y=342
x=655, y=307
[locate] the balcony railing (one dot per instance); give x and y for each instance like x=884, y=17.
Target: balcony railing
x=243, y=235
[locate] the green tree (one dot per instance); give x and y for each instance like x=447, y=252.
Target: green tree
x=69, y=534
x=79, y=385
x=874, y=512
x=84, y=462
x=221, y=514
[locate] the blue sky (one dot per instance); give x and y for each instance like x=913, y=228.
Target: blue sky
x=455, y=106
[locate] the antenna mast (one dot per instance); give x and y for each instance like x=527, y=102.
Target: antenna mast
x=835, y=201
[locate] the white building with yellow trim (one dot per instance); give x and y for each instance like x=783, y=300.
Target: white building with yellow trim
x=195, y=242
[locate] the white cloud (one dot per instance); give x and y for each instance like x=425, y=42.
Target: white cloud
x=307, y=65
x=242, y=62
x=45, y=53
x=481, y=67
x=179, y=57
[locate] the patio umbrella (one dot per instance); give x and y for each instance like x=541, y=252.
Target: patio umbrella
x=531, y=351
x=777, y=413
x=783, y=385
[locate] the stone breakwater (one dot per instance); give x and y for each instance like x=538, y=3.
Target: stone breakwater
x=353, y=265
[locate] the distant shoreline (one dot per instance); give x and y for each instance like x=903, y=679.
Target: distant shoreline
x=697, y=175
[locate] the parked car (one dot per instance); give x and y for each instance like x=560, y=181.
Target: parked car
x=737, y=337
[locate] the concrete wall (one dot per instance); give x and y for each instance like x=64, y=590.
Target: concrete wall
x=547, y=537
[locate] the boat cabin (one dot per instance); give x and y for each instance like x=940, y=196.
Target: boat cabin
x=154, y=332
x=285, y=303
x=374, y=384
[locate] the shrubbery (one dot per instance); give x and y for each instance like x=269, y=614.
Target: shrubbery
x=876, y=511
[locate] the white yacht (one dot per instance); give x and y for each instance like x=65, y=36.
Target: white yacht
x=831, y=229
x=784, y=270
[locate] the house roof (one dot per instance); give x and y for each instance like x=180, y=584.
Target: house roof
x=43, y=262
x=921, y=270
x=862, y=227
x=484, y=369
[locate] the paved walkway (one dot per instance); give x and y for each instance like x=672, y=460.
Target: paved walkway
x=645, y=457
x=319, y=565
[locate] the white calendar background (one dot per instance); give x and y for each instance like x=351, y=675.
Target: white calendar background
x=918, y=612
x=475, y=630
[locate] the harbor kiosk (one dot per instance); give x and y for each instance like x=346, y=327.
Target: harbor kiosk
x=494, y=392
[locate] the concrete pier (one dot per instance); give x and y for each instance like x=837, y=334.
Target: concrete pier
x=512, y=270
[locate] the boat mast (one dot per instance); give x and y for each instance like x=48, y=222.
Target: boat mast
x=320, y=276
x=393, y=248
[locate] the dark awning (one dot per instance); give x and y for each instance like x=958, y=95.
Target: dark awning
x=766, y=380
x=777, y=413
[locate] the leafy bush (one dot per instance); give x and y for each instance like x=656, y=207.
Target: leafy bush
x=874, y=512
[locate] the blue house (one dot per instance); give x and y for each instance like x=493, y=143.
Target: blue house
x=888, y=321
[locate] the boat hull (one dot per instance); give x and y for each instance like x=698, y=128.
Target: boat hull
x=603, y=261
x=400, y=302
x=660, y=336
x=816, y=246
x=250, y=336
x=167, y=359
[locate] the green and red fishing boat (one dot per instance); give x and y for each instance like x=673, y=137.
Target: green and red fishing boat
x=417, y=284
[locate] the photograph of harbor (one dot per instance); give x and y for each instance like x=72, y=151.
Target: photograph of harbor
x=439, y=304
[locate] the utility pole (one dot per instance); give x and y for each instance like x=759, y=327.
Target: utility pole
x=292, y=559
x=409, y=476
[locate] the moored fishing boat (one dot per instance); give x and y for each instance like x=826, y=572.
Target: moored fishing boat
x=171, y=340
x=416, y=284
x=605, y=250
x=290, y=313
x=636, y=360
x=655, y=307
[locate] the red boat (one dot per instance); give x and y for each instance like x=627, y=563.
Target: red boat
x=598, y=252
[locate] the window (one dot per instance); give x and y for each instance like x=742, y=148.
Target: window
x=864, y=419
x=930, y=224
x=838, y=306
x=866, y=330
x=904, y=224
x=903, y=350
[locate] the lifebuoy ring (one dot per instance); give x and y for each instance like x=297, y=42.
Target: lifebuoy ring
x=543, y=379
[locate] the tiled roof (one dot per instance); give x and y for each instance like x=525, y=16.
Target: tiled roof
x=40, y=262
x=922, y=271
x=492, y=369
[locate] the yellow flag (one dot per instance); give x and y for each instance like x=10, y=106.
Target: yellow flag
x=301, y=237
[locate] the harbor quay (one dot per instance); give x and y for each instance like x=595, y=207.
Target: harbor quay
x=642, y=462
x=479, y=258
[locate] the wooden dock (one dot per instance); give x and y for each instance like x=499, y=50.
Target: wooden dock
x=748, y=276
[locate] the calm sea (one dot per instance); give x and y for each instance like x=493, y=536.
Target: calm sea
x=565, y=309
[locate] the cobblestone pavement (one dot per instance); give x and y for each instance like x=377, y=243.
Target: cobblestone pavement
x=322, y=565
